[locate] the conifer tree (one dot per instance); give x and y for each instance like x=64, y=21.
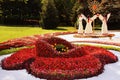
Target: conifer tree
x=49, y=15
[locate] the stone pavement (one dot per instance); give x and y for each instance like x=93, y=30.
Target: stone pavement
x=115, y=40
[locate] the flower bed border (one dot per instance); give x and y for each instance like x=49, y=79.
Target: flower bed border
x=30, y=40
x=74, y=58
x=74, y=73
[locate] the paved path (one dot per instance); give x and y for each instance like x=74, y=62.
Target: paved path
x=106, y=40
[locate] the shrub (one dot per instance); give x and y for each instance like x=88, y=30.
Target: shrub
x=49, y=15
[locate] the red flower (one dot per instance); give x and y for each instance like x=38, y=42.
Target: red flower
x=44, y=61
x=56, y=40
x=104, y=55
x=66, y=68
x=16, y=60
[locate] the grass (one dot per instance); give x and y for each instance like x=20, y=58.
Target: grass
x=12, y=32
x=12, y=50
x=108, y=47
x=8, y=51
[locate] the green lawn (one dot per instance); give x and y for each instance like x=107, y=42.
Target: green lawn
x=11, y=32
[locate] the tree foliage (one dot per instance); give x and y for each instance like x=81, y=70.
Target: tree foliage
x=66, y=11
x=64, y=8
x=49, y=14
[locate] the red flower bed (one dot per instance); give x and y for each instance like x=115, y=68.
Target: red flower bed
x=44, y=61
x=20, y=42
x=18, y=59
x=104, y=55
x=12, y=44
x=4, y=46
x=75, y=52
x=66, y=68
x=56, y=40
x=44, y=49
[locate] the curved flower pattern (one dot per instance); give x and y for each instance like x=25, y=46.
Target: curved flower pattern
x=104, y=55
x=56, y=40
x=45, y=49
x=44, y=61
x=66, y=68
x=18, y=59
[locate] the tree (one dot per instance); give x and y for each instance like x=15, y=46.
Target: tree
x=1, y=12
x=21, y=11
x=64, y=8
x=34, y=7
x=79, y=7
x=49, y=15
x=12, y=11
